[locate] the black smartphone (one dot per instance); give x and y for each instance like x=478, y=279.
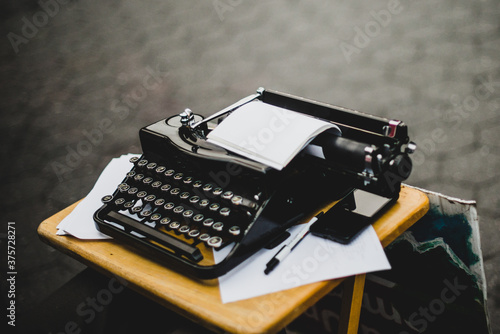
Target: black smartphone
x=350, y=216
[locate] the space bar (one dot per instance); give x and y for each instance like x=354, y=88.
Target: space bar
x=168, y=241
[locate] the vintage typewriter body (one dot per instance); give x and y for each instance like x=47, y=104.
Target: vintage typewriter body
x=185, y=197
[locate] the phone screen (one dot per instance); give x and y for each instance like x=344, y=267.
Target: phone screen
x=350, y=216
x=368, y=204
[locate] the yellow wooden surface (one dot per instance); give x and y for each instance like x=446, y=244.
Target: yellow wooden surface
x=352, y=297
x=200, y=300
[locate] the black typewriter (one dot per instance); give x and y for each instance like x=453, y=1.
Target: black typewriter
x=185, y=197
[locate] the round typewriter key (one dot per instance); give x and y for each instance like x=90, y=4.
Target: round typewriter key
x=174, y=225
x=234, y=230
x=227, y=195
x=184, y=195
x=187, y=213
x=207, y=187
x=178, y=209
x=131, y=173
x=124, y=188
x=204, y=203
x=139, y=177
x=188, y=180
x=155, y=217
x=136, y=209
x=134, y=159
x=151, y=165
x=150, y=198
x=142, y=194
x=225, y=212
x=160, y=169
x=178, y=176
x=184, y=229
x=147, y=180
x=123, y=185
x=133, y=191
x=194, y=199
x=237, y=200
x=198, y=218
x=106, y=199
x=128, y=205
x=197, y=184
x=217, y=191
x=215, y=242
x=175, y=191
x=169, y=206
x=146, y=213
x=208, y=222
x=214, y=206
x=166, y=187
x=156, y=184
x=218, y=226
x=160, y=202
x=120, y=201
x=169, y=172
x=204, y=237
x=194, y=233
x=165, y=221
x=142, y=163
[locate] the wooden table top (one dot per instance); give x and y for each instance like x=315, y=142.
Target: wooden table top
x=200, y=300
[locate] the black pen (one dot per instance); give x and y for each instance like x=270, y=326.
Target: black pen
x=286, y=249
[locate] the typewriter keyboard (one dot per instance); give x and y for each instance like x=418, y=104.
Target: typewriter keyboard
x=180, y=203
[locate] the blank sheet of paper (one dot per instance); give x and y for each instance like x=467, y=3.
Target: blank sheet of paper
x=268, y=134
x=314, y=259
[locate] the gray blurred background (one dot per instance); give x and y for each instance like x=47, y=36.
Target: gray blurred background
x=68, y=65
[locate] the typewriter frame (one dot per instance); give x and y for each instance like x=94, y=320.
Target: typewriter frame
x=374, y=155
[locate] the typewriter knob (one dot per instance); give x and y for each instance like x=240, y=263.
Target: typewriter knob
x=401, y=165
x=187, y=117
x=411, y=147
